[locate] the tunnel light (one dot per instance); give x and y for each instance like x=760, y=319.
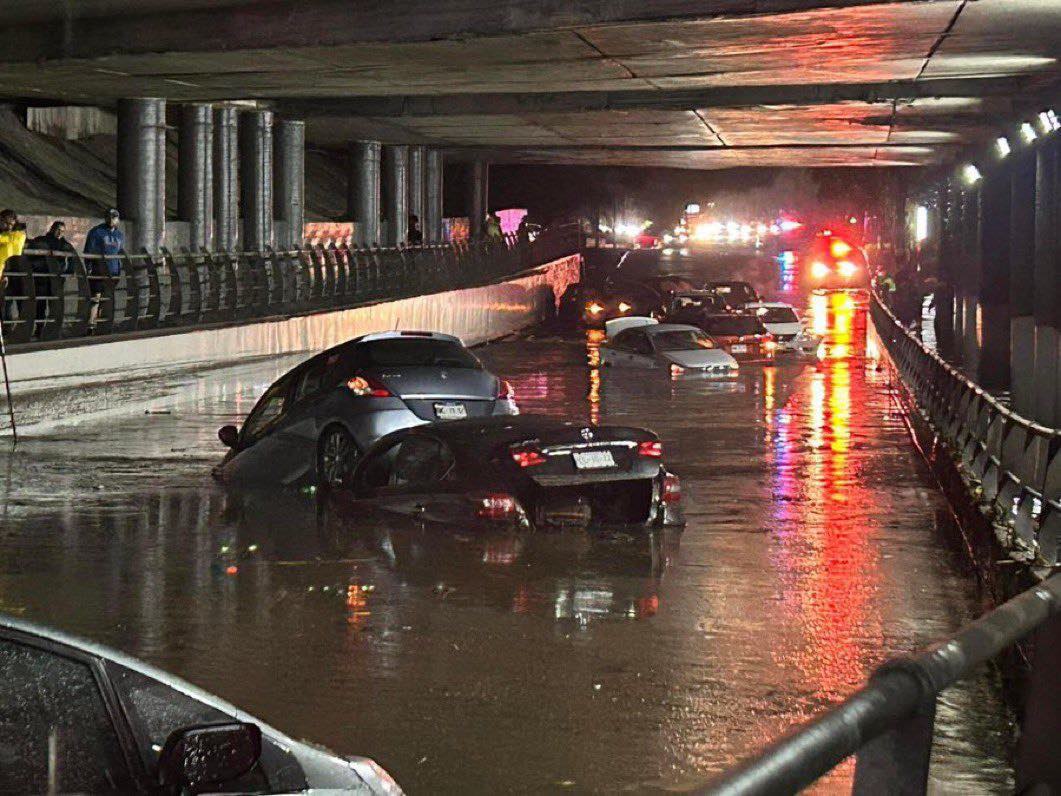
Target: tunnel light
x=1027, y=132
x=1045, y=124
x=971, y=174
x=692, y=208
x=1055, y=123
x=921, y=223
x=1002, y=145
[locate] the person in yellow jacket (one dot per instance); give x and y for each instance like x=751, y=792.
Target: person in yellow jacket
x=12, y=241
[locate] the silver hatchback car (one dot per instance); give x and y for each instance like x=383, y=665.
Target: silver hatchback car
x=312, y=424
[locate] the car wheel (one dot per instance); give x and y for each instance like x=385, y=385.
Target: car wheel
x=336, y=452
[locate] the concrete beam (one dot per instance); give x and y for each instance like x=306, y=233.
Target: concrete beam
x=36, y=32
x=507, y=104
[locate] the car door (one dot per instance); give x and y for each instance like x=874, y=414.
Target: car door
x=263, y=456
x=59, y=733
x=306, y=415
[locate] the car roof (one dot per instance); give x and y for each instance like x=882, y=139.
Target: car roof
x=671, y=327
x=769, y=305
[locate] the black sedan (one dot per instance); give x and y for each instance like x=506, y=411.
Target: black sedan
x=514, y=472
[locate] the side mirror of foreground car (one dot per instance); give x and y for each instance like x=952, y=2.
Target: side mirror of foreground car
x=228, y=435
x=204, y=756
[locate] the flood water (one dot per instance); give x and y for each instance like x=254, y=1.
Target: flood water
x=523, y=663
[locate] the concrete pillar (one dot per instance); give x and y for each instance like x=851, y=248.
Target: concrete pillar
x=396, y=195
x=226, y=179
x=195, y=174
x=944, y=297
x=289, y=185
x=417, y=158
x=478, y=202
x=1047, y=275
x=994, y=244
x=433, y=201
x=363, y=191
x=142, y=170
x=256, y=178
x=1022, y=283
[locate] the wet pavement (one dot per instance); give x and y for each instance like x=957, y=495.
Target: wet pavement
x=559, y=661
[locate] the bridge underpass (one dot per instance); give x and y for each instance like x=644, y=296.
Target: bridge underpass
x=817, y=544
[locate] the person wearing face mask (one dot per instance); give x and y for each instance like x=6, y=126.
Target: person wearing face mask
x=12, y=242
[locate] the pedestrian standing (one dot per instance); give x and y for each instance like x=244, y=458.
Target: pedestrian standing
x=416, y=235
x=55, y=242
x=106, y=240
x=12, y=242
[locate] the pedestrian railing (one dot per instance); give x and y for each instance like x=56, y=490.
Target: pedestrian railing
x=888, y=723
x=1010, y=465
x=54, y=295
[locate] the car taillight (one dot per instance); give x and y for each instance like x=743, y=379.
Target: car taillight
x=505, y=391
x=528, y=457
x=496, y=507
x=672, y=488
x=652, y=449
x=365, y=387
x=594, y=308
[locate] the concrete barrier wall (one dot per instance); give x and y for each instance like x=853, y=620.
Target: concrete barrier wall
x=53, y=381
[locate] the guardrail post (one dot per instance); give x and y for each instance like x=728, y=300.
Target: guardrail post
x=896, y=763
x=1038, y=762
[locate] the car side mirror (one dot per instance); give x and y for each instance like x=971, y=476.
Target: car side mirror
x=204, y=756
x=228, y=435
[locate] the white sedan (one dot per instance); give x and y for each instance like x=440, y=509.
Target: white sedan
x=782, y=321
x=647, y=343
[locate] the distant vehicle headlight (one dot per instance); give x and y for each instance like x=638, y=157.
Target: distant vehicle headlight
x=846, y=268
x=624, y=307
x=819, y=270
x=594, y=308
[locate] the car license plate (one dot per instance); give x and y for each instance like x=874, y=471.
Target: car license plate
x=450, y=411
x=594, y=460
x=739, y=349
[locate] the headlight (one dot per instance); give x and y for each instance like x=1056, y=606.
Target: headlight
x=594, y=308
x=624, y=307
x=840, y=248
x=846, y=268
x=819, y=270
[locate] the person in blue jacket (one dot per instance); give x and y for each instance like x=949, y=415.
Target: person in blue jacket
x=106, y=239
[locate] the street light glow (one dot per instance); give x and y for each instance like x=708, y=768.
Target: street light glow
x=920, y=223
x=1002, y=144
x=1027, y=132
x=971, y=173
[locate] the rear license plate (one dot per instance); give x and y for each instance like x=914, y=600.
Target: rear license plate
x=594, y=460
x=450, y=411
x=739, y=349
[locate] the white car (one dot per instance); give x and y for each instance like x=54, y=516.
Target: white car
x=782, y=321
x=647, y=343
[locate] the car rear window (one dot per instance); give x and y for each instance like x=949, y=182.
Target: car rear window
x=683, y=340
x=778, y=315
x=413, y=352
x=733, y=325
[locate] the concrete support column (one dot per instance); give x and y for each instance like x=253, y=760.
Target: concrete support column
x=417, y=158
x=396, y=195
x=478, y=196
x=433, y=200
x=994, y=244
x=970, y=280
x=256, y=178
x=944, y=297
x=1022, y=284
x=142, y=170
x=226, y=179
x=363, y=191
x=1047, y=293
x=289, y=185
x=195, y=174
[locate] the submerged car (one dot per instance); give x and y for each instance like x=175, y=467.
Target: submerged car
x=77, y=717
x=323, y=414
x=784, y=325
x=735, y=293
x=688, y=305
x=594, y=305
x=512, y=473
x=742, y=335
x=646, y=343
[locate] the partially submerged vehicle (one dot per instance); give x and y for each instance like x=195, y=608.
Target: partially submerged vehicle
x=736, y=293
x=77, y=717
x=320, y=416
x=783, y=323
x=647, y=343
x=518, y=472
x=742, y=335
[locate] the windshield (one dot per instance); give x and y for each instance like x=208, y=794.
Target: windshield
x=413, y=351
x=778, y=315
x=682, y=340
x=733, y=325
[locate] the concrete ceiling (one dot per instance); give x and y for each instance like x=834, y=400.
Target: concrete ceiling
x=674, y=83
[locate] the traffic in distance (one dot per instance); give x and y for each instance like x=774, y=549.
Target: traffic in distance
x=407, y=431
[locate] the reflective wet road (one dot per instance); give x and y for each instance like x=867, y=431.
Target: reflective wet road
x=523, y=663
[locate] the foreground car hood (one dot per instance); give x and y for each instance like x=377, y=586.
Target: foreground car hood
x=706, y=358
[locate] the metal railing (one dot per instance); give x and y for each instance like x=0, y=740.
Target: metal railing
x=1010, y=465
x=54, y=295
x=888, y=723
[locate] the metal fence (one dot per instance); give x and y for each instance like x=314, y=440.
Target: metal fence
x=1009, y=464
x=59, y=295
